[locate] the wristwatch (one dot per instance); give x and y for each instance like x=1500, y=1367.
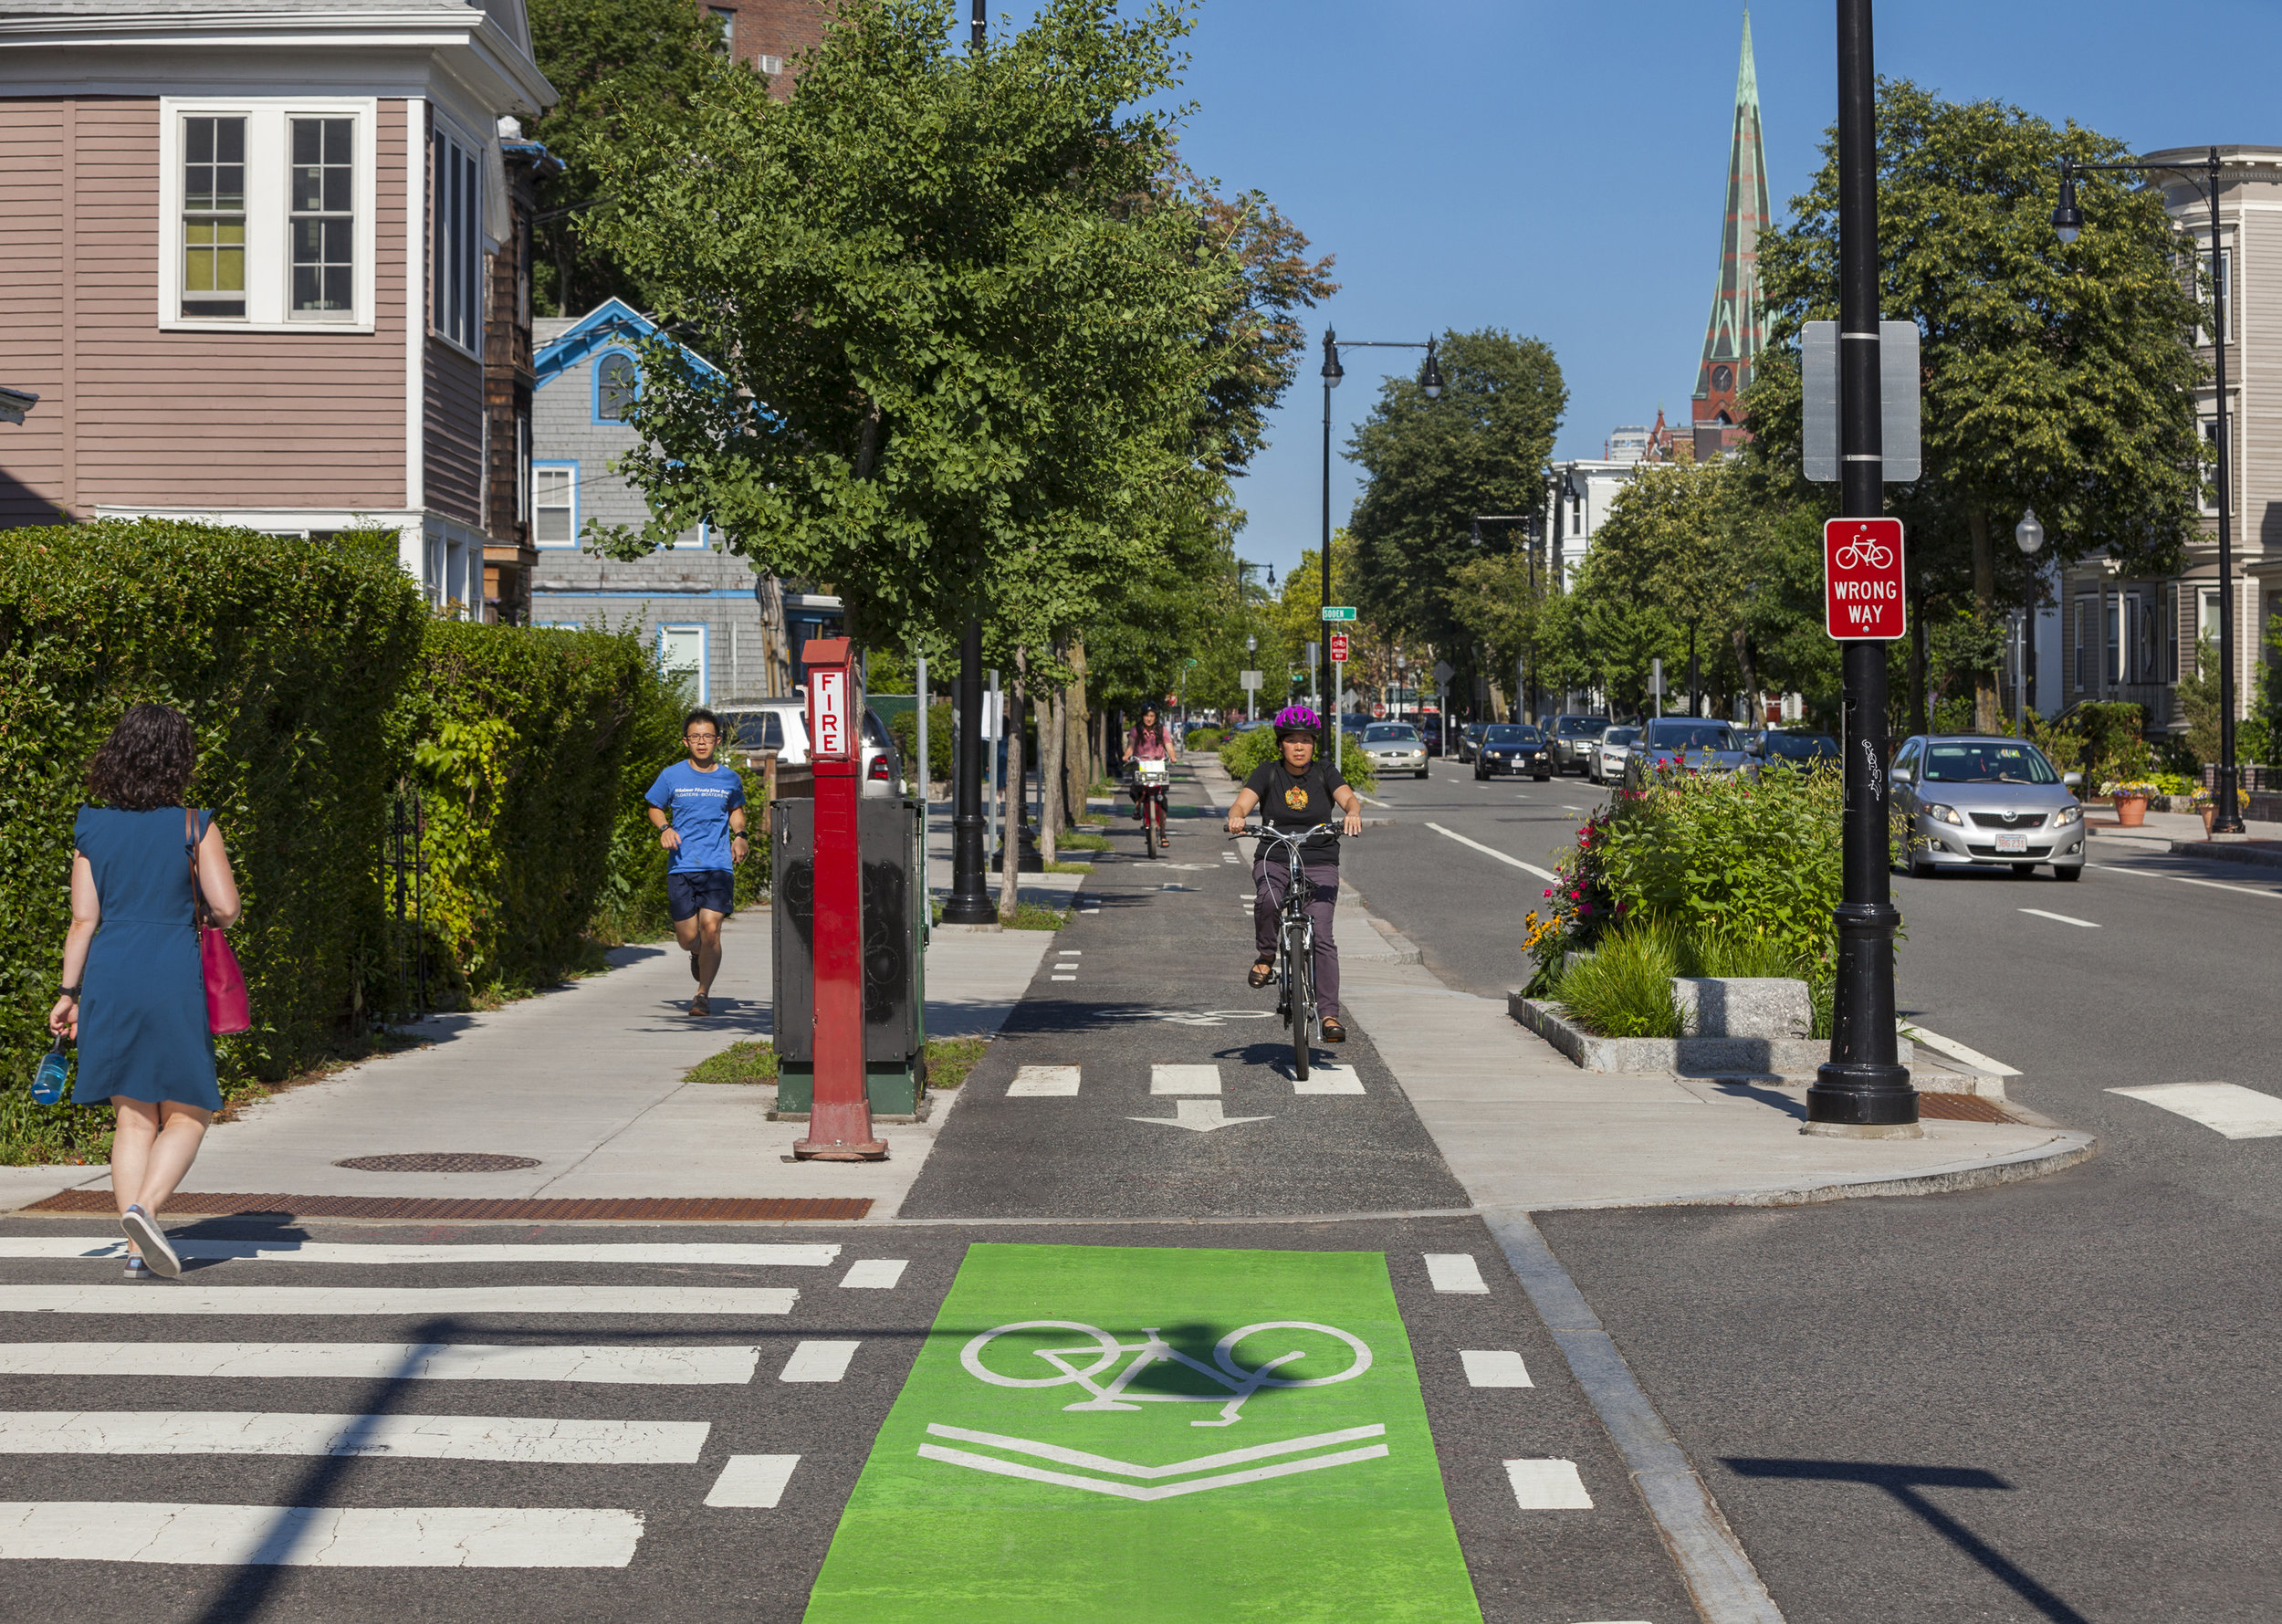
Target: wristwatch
x=68, y=992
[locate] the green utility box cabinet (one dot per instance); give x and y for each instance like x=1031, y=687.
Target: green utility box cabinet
x=890, y=837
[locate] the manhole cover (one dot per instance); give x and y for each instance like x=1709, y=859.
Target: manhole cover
x=438, y=1161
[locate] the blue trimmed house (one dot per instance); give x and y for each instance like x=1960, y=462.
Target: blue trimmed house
x=700, y=606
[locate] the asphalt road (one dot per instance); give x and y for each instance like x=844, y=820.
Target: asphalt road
x=2046, y=1401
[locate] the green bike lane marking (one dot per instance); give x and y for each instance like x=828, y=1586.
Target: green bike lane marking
x=1122, y=1432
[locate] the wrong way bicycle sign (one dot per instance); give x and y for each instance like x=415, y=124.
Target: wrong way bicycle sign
x=1863, y=597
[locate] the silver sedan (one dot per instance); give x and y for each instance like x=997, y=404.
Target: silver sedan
x=1682, y=744
x=1395, y=747
x=1976, y=802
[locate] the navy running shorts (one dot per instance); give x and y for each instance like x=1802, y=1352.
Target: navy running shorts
x=714, y=888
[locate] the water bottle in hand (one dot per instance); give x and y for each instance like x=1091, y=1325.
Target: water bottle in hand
x=54, y=1070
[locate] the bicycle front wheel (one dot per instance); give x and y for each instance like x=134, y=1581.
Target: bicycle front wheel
x=1300, y=953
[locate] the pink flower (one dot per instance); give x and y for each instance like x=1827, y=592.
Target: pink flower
x=1549, y=890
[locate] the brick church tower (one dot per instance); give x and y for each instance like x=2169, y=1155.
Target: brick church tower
x=1737, y=330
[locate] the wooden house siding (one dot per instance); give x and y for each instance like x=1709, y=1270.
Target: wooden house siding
x=452, y=433
x=148, y=418
x=32, y=345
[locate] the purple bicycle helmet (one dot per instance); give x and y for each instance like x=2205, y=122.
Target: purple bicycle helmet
x=1297, y=718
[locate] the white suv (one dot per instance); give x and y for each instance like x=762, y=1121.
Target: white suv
x=782, y=724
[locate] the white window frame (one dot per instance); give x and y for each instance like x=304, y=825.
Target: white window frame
x=269, y=200
x=703, y=652
x=554, y=466
x=455, y=298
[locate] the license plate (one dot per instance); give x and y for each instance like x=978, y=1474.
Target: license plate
x=2012, y=843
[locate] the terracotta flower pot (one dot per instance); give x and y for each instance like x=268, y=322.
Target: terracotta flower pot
x=2209, y=816
x=2131, y=810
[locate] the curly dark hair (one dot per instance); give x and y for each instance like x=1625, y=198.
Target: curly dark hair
x=146, y=762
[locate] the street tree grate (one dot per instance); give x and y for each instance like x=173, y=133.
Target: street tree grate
x=438, y=1161
x=1961, y=1108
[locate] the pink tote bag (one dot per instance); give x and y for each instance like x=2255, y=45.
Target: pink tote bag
x=227, y=1008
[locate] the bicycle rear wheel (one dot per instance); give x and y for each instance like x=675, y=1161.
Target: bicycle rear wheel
x=1300, y=955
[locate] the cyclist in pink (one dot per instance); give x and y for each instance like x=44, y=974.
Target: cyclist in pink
x=1297, y=791
x=1150, y=741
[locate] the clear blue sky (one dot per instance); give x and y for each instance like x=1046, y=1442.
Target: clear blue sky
x=1558, y=169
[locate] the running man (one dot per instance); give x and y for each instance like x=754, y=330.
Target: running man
x=699, y=807
x=1297, y=791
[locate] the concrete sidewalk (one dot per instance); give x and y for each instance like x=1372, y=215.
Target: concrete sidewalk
x=1521, y=1127
x=588, y=1080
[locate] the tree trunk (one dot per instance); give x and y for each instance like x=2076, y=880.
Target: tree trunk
x=1750, y=675
x=1010, y=819
x=1078, y=772
x=1985, y=694
x=1053, y=738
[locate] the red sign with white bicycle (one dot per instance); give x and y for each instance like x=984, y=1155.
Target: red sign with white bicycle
x=1862, y=583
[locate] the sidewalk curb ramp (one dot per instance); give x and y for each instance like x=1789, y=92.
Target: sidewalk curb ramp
x=2257, y=854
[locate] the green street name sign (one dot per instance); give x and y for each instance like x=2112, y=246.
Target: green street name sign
x=1333, y=612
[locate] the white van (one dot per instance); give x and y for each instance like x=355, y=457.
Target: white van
x=782, y=726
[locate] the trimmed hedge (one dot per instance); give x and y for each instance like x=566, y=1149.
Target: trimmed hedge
x=286, y=657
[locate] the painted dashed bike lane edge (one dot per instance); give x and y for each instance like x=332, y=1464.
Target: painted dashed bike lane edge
x=1269, y=1459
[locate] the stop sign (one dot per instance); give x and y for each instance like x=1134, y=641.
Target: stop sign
x=1339, y=648
x=1862, y=580
x=1379, y=708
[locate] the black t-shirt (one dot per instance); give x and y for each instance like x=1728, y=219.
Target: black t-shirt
x=1300, y=802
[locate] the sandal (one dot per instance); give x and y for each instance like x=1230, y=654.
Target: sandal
x=1332, y=1031
x=1262, y=973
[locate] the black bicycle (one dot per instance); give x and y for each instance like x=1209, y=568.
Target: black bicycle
x=1295, y=939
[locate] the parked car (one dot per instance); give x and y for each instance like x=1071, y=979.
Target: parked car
x=1395, y=747
x=782, y=726
x=1606, y=764
x=1430, y=730
x=1984, y=803
x=1574, y=739
x=1674, y=743
x=1513, y=747
x=1800, y=751
x=1470, y=740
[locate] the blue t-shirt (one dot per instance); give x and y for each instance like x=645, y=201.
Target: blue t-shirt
x=698, y=804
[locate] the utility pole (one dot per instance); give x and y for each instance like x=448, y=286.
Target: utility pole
x=1862, y=1091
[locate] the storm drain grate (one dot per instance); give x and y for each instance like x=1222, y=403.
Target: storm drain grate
x=1961, y=1108
x=438, y=1161
x=556, y=1209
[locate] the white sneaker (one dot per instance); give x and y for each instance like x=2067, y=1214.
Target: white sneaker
x=146, y=1233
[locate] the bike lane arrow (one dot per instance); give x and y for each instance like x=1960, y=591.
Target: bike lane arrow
x=1198, y=1117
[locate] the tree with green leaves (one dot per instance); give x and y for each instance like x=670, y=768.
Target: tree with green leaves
x=1483, y=447
x=2055, y=375
x=620, y=67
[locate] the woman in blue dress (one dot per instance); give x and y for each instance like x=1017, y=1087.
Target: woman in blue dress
x=133, y=994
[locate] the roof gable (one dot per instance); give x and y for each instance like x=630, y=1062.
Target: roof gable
x=612, y=322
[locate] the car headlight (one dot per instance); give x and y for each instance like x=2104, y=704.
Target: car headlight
x=1940, y=813
x=2070, y=814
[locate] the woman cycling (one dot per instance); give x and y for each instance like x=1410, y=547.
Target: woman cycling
x=1297, y=791
x=1151, y=740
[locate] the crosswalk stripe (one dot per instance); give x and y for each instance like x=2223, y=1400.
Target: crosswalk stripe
x=149, y=1299
x=1328, y=1077
x=330, y=1252
x=1494, y=1368
x=819, y=1362
x=387, y=1361
x=530, y=1440
x=1042, y=1082
x=1547, y=1485
x=753, y=1480
x=2226, y=1108
x=1454, y=1272
x=317, y=1537
x=875, y=1273
x=1184, y=1079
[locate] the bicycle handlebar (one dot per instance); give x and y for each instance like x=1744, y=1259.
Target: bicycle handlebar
x=1270, y=832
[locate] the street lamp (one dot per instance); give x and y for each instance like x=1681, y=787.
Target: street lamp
x=1251, y=694
x=2067, y=222
x=2029, y=536
x=1429, y=384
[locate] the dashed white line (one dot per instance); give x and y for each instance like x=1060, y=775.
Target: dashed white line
x=1327, y=1077
x=2061, y=918
x=817, y=1361
x=1543, y=874
x=317, y=1537
x=1547, y=1485
x=2183, y=879
x=1494, y=1368
x=269, y=1302
x=530, y=1440
x=1042, y=1082
x=757, y=1480
x=387, y=1361
x=2226, y=1108
x=875, y=1275
x=1184, y=1079
x=1455, y=1271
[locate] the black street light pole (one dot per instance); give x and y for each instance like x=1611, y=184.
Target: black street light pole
x=1862, y=1091
x=2067, y=220
x=969, y=901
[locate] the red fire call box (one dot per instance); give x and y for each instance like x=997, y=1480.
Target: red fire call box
x=1862, y=583
x=1338, y=648
x=840, y=1117
x=831, y=724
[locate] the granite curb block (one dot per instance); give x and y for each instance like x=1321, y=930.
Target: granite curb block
x=2256, y=856
x=2064, y=1149
x=1787, y=1056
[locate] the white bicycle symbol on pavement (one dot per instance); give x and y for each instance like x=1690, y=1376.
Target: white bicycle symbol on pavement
x=1864, y=555
x=1105, y=1350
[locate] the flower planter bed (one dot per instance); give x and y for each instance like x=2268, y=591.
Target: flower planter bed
x=1695, y=1056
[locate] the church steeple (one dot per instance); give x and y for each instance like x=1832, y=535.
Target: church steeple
x=1733, y=338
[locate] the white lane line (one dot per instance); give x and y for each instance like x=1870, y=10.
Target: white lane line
x=1069, y=953
x=2060, y=918
x=530, y=1440
x=1543, y=874
x=2184, y=879
x=1547, y=1485
x=2226, y=1108
x=1184, y=1079
x=387, y=1361
x=1359, y=795
x=1326, y=1077
x=1448, y=1272
x=875, y=1275
x=1954, y=1050
x=316, y=1537
x=753, y=1480
x=334, y=1252
x=817, y=1361
x=1042, y=1082
x=423, y=1301
x=1062, y=978
x=1494, y=1368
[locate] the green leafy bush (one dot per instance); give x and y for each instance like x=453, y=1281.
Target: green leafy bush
x=904, y=728
x=1243, y=753
x=1203, y=738
x=1624, y=988
x=286, y=657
